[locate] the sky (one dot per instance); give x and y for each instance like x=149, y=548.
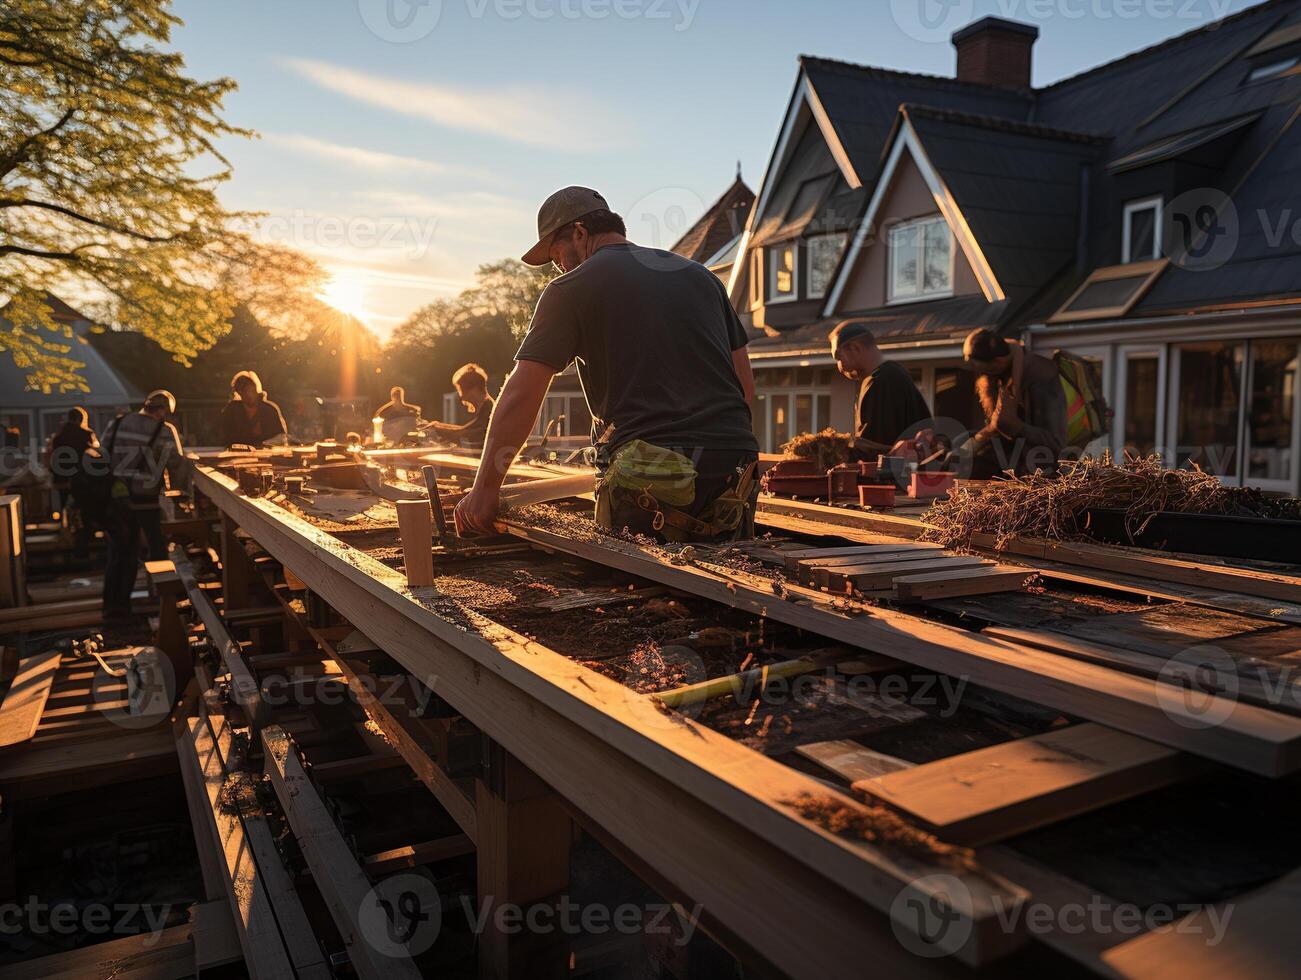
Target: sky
x=403, y=144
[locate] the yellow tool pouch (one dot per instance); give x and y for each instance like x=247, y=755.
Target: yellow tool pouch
x=648, y=474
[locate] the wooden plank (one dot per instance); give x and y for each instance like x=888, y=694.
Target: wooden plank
x=20, y=714
x=615, y=757
x=868, y=577
x=822, y=556
x=969, y=581
x=216, y=941
x=264, y=951
x=415, y=524
x=48, y=610
x=1254, y=935
x=1248, y=737
x=850, y=760
x=346, y=890
x=1005, y=789
x=416, y=855
x=773, y=512
x=164, y=955
x=13, y=558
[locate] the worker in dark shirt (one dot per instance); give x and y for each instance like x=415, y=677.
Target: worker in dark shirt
x=250, y=418
x=65, y=458
x=891, y=410
x=662, y=359
x=471, y=384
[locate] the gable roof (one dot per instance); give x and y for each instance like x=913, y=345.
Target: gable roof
x=107, y=387
x=719, y=226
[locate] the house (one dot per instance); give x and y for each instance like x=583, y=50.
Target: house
x=38, y=415
x=1137, y=214
x=714, y=239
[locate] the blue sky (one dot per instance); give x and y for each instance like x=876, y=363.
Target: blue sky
x=404, y=145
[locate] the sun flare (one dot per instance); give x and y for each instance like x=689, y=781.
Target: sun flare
x=346, y=293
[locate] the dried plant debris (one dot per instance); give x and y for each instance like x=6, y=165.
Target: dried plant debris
x=238, y=795
x=1057, y=507
x=879, y=825
x=829, y=447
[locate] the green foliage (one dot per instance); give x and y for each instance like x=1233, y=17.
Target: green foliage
x=103, y=202
x=484, y=324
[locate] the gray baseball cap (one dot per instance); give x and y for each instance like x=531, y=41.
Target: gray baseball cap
x=565, y=205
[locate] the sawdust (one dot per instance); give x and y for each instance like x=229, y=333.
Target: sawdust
x=238, y=795
x=879, y=825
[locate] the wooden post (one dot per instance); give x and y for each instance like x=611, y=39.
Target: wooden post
x=416, y=527
x=523, y=842
x=236, y=570
x=13, y=576
x=171, y=631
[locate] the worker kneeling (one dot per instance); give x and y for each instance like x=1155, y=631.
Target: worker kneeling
x=663, y=363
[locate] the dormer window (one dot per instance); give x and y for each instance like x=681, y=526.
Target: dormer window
x=782, y=273
x=1141, y=231
x=921, y=260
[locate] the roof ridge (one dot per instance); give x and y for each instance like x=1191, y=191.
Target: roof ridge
x=998, y=122
x=1214, y=25
x=943, y=81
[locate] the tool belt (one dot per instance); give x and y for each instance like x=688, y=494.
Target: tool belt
x=662, y=483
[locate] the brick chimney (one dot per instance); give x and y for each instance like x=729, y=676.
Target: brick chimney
x=994, y=51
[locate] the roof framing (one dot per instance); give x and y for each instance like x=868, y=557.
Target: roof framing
x=905, y=138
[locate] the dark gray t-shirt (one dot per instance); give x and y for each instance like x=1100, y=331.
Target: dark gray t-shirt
x=653, y=334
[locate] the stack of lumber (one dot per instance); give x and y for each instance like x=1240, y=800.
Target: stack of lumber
x=911, y=571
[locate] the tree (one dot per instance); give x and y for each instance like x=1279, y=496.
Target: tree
x=483, y=324
x=101, y=198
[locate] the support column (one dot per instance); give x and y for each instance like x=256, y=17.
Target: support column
x=523, y=860
x=236, y=569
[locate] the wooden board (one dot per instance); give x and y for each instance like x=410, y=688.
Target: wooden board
x=867, y=577
x=346, y=890
x=614, y=755
x=822, y=556
x=1005, y=789
x=13, y=560
x=1251, y=738
x=20, y=714
x=850, y=760
x=164, y=955
x=967, y=581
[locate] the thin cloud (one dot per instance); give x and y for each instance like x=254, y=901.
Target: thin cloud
x=356, y=156
x=523, y=115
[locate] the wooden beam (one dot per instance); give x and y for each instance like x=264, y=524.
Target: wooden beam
x=881, y=576
x=20, y=714
x=1251, y=738
x=616, y=757
x=1005, y=789
x=417, y=855
x=850, y=760
x=808, y=557
x=13, y=558
x=347, y=892
x=165, y=955
x=968, y=581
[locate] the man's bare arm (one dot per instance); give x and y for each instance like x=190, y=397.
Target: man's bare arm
x=744, y=373
x=512, y=420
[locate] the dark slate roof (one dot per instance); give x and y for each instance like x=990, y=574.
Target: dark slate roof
x=1018, y=186
x=719, y=225
x=862, y=102
x=107, y=387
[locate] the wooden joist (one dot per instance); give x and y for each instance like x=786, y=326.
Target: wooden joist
x=1251, y=738
x=734, y=835
x=416, y=855
x=165, y=955
x=997, y=792
x=20, y=714
x=354, y=905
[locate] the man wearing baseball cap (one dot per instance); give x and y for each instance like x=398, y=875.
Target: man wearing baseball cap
x=663, y=363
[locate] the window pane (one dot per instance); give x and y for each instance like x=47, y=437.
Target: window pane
x=824, y=252
x=1210, y=386
x=1142, y=234
x=783, y=270
x=1141, y=380
x=803, y=413
x=903, y=262
x=939, y=244
x=822, y=417
x=779, y=408
x=1270, y=421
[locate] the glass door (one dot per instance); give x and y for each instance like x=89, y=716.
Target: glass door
x=1207, y=408
x=1139, y=401
x=1272, y=436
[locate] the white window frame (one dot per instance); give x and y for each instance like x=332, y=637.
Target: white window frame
x=757, y=266
x=843, y=239
x=773, y=251
x=1155, y=204
x=559, y=403
x=1124, y=354
x=451, y=401
x=921, y=295
x=764, y=398
x=1290, y=483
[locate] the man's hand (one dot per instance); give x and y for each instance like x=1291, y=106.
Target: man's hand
x=476, y=513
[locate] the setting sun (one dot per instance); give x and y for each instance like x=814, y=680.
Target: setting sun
x=346, y=294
